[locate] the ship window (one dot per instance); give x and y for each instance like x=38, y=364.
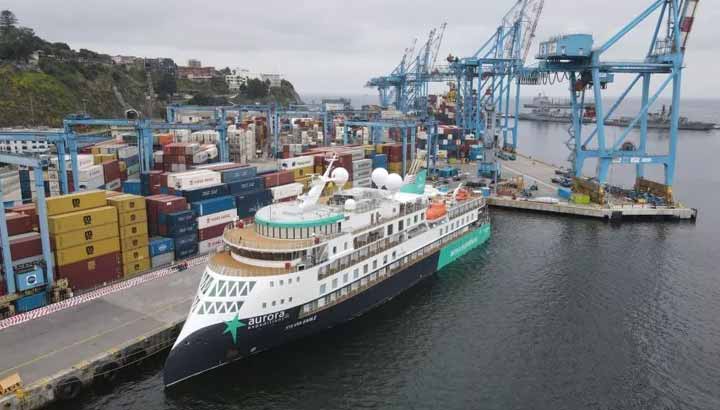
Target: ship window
x=389, y=229
x=422, y=216
x=345, y=245
x=394, y=254
x=416, y=218
x=211, y=293
x=297, y=279
x=345, y=278
x=273, y=303
x=232, y=307
x=289, y=281
x=282, y=301
x=281, y=282
x=289, y=299
x=201, y=309
x=334, y=283
x=356, y=273
x=334, y=250
x=244, y=289
x=272, y=284
x=221, y=308
x=375, y=264
x=210, y=308
x=401, y=225
x=365, y=269
x=222, y=289
x=322, y=289
x=384, y=259
x=264, y=305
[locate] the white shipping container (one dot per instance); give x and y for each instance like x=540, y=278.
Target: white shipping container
x=211, y=150
x=84, y=161
x=211, y=245
x=127, y=152
x=158, y=156
x=113, y=185
x=358, y=154
x=297, y=162
x=362, y=164
x=91, y=173
x=219, y=218
x=200, y=157
x=286, y=191
x=92, y=183
x=178, y=167
x=193, y=179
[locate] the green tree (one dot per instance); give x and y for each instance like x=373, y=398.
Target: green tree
x=167, y=86
x=255, y=88
x=7, y=21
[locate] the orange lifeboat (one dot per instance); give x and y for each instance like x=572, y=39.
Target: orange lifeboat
x=462, y=195
x=436, y=211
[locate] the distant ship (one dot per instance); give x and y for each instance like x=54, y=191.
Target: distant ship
x=544, y=109
x=308, y=265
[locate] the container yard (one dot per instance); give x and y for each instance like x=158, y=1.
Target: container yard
x=104, y=239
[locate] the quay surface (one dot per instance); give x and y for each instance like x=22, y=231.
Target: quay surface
x=541, y=173
x=58, y=352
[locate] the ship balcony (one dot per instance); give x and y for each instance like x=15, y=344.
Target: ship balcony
x=248, y=238
x=224, y=264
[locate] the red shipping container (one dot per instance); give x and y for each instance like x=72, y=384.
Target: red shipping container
x=278, y=178
x=157, y=204
x=111, y=170
x=211, y=232
x=18, y=223
x=27, y=209
x=24, y=246
x=91, y=273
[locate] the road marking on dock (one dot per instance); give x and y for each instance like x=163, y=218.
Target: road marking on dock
x=99, y=335
x=89, y=296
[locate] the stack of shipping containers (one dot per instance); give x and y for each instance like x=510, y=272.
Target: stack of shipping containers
x=85, y=239
x=132, y=223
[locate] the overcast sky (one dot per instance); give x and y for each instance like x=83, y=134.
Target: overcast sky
x=333, y=47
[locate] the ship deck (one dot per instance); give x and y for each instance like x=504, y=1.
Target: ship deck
x=248, y=238
x=224, y=264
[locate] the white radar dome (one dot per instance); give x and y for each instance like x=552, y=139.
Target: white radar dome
x=340, y=176
x=379, y=177
x=350, y=205
x=393, y=182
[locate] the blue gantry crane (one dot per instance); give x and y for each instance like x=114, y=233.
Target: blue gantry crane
x=576, y=58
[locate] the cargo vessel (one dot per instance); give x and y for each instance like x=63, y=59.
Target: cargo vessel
x=311, y=264
x=544, y=109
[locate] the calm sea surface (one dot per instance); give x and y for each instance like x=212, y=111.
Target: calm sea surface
x=553, y=313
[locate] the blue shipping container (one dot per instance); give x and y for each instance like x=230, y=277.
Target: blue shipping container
x=130, y=161
x=27, y=303
x=132, y=186
x=160, y=245
x=209, y=192
x=187, y=252
x=213, y=206
x=246, y=185
x=177, y=230
x=177, y=218
x=238, y=174
x=29, y=280
x=183, y=242
x=248, y=204
x=380, y=161
x=565, y=193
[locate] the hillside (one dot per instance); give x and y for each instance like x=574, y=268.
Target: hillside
x=42, y=82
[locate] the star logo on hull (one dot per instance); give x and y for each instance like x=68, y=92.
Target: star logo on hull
x=232, y=327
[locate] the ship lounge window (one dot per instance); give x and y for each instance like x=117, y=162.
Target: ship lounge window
x=345, y=278
x=384, y=259
x=356, y=273
x=400, y=225
x=334, y=283
x=365, y=269
x=416, y=218
x=322, y=289
x=422, y=216
x=375, y=264
x=334, y=250
x=389, y=229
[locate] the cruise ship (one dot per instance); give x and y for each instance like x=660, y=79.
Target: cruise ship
x=322, y=260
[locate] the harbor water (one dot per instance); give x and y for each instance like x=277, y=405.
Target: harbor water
x=553, y=313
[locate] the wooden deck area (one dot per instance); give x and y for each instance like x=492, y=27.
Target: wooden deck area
x=249, y=239
x=224, y=264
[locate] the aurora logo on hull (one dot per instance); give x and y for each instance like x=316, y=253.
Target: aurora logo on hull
x=265, y=320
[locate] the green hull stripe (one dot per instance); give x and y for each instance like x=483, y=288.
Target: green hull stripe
x=459, y=247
